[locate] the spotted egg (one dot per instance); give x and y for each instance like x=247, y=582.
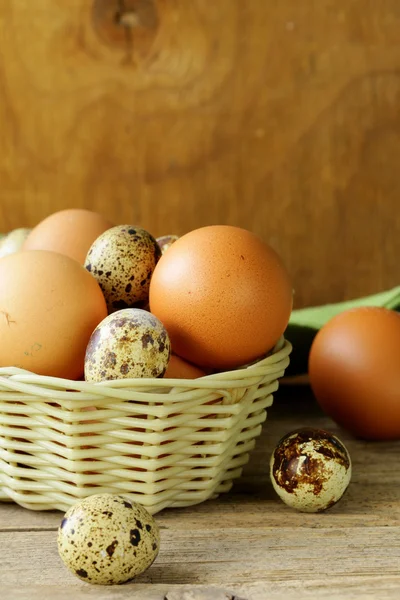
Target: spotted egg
x=108, y=539
x=128, y=343
x=166, y=241
x=122, y=259
x=310, y=469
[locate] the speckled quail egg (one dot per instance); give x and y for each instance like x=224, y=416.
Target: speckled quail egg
x=166, y=241
x=122, y=259
x=128, y=343
x=310, y=469
x=108, y=539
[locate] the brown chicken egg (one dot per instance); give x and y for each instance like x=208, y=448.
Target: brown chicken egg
x=354, y=369
x=223, y=295
x=49, y=306
x=70, y=232
x=181, y=369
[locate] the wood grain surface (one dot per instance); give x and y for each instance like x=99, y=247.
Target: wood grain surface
x=246, y=544
x=282, y=117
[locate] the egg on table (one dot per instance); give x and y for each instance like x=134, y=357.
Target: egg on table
x=122, y=260
x=108, y=539
x=70, y=232
x=354, y=370
x=128, y=343
x=310, y=469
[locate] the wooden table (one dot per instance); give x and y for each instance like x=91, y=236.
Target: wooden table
x=246, y=542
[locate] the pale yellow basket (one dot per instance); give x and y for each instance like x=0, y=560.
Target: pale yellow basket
x=161, y=442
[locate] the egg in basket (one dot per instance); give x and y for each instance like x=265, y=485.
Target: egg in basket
x=145, y=371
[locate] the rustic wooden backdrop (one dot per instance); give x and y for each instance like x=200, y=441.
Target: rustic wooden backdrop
x=282, y=117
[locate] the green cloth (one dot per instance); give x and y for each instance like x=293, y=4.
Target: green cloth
x=306, y=322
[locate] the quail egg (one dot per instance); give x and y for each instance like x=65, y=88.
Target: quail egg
x=310, y=469
x=108, y=539
x=122, y=259
x=166, y=241
x=128, y=343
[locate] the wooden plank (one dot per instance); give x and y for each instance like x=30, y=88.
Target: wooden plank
x=229, y=555
x=281, y=117
x=348, y=588
x=363, y=506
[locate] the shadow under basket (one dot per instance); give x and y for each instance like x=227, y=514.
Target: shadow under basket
x=161, y=442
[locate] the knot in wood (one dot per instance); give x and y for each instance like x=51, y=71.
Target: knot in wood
x=124, y=24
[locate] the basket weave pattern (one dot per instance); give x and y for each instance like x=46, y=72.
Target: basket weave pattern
x=161, y=442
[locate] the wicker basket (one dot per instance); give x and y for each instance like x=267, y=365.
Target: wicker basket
x=162, y=442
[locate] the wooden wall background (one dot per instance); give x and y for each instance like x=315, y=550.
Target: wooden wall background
x=282, y=117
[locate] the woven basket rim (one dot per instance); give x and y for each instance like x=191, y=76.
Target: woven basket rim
x=15, y=377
